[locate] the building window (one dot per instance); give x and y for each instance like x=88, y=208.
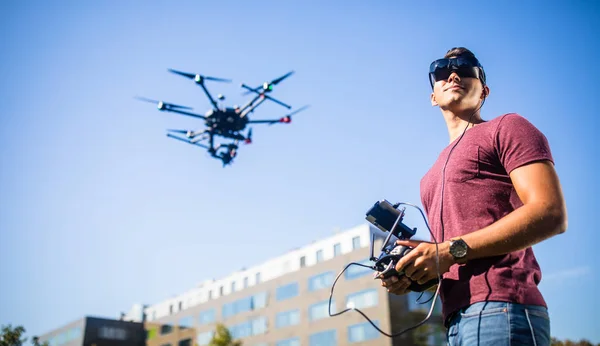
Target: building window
x=337, y=249
x=287, y=291
x=355, y=243
x=257, y=278
x=171, y=309
x=252, y=327
x=207, y=316
x=259, y=300
x=204, y=338
x=259, y=326
x=246, y=282
x=355, y=271
x=302, y=261
x=362, y=332
x=220, y=291
x=165, y=329
x=237, y=306
x=186, y=322
x=185, y=342
x=288, y=342
x=245, y=304
x=180, y=306
x=320, y=281
x=319, y=256
x=320, y=310
x=328, y=337
x=363, y=299
x=209, y=295
x=233, y=286
x=287, y=318
x=111, y=333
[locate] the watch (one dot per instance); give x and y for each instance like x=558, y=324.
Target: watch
x=458, y=250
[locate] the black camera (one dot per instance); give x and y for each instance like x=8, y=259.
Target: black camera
x=388, y=218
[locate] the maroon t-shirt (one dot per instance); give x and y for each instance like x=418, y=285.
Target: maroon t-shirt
x=476, y=193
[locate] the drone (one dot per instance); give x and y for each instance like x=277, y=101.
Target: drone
x=226, y=122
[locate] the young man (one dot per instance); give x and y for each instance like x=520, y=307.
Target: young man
x=492, y=194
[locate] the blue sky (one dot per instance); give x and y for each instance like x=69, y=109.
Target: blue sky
x=100, y=210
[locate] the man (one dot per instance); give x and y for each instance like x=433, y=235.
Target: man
x=492, y=194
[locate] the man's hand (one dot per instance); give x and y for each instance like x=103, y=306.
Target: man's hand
x=396, y=285
x=419, y=265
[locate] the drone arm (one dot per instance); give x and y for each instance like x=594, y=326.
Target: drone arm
x=212, y=101
x=186, y=113
x=278, y=102
x=285, y=119
x=271, y=121
x=255, y=90
x=187, y=141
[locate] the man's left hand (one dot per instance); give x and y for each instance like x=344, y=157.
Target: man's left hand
x=419, y=264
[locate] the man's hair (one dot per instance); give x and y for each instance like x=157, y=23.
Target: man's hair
x=459, y=51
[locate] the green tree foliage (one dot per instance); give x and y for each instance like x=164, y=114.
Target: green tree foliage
x=14, y=337
x=582, y=342
x=222, y=337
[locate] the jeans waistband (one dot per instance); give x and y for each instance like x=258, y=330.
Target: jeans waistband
x=482, y=306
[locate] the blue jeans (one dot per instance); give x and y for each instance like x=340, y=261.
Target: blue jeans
x=499, y=323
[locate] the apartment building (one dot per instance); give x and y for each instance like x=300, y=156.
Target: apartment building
x=285, y=302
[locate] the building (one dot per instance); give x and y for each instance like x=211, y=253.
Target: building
x=285, y=301
x=93, y=331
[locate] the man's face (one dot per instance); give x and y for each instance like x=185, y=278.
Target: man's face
x=458, y=93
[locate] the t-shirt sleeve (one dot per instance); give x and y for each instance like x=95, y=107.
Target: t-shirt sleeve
x=519, y=142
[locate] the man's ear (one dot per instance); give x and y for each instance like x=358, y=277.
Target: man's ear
x=433, y=101
x=486, y=92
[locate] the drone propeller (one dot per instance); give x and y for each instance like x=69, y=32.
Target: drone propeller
x=277, y=80
x=298, y=110
x=288, y=117
x=268, y=86
x=198, y=78
x=162, y=105
x=178, y=131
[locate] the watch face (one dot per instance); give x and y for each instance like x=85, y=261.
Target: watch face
x=458, y=248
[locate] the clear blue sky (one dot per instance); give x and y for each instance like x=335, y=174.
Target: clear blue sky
x=100, y=210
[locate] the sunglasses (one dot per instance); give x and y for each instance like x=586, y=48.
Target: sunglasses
x=441, y=69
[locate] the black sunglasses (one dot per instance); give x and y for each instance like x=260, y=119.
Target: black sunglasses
x=441, y=69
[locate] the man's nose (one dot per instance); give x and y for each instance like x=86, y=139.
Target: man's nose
x=453, y=77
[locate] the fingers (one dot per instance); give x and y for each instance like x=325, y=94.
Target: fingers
x=421, y=276
x=409, y=243
x=406, y=262
x=396, y=285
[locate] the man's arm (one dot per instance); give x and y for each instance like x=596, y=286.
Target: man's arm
x=543, y=214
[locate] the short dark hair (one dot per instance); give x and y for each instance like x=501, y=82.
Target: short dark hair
x=459, y=51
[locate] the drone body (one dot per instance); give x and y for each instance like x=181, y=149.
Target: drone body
x=225, y=122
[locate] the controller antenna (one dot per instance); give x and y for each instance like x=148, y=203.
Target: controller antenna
x=372, y=258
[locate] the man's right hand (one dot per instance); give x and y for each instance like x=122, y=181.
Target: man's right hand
x=396, y=285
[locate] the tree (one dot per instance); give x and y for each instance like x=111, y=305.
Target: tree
x=14, y=337
x=567, y=342
x=222, y=337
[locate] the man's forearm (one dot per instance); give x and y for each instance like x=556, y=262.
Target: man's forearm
x=522, y=228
